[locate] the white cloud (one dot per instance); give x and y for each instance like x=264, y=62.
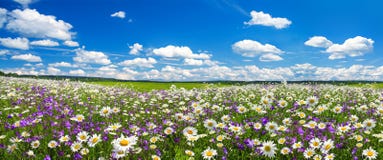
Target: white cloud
x=18, y=43
x=139, y=62
x=31, y=23
x=71, y=43
x=119, y=14
x=45, y=42
x=135, y=49
x=93, y=57
x=4, y=52
x=264, y=19
x=79, y=72
x=270, y=57
x=251, y=48
x=3, y=17
x=27, y=57
x=197, y=62
x=24, y=3
x=60, y=64
x=171, y=51
x=318, y=41
x=352, y=47
x=53, y=71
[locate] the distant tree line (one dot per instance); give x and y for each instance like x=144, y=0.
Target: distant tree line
x=98, y=79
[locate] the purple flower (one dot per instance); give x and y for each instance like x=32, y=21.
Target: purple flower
x=47, y=157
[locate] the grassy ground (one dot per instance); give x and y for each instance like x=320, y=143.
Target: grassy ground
x=371, y=85
x=148, y=86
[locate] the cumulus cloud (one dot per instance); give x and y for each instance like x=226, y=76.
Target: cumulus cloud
x=352, y=47
x=199, y=62
x=60, y=64
x=31, y=23
x=171, y=51
x=135, y=49
x=3, y=17
x=4, y=52
x=53, y=71
x=24, y=3
x=78, y=72
x=45, y=43
x=119, y=14
x=318, y=41
x=27, y=57
x=71, y=43
x=264, y=19
x=139, y=62
x=92, y=57
x=17, y=43
x=270, y=57
x=251, y=48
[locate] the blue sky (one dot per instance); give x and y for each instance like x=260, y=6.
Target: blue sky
x=187, y=40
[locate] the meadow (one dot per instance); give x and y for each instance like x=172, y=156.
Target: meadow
x=61, y=119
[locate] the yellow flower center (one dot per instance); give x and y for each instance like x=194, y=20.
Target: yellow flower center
x=82, y=137
x=105, y=111
x=370, y=153
x=210, y=124
x=267, y=148
x=124, y=142
x=209, y=153
x=190, y=131
x=94, y=140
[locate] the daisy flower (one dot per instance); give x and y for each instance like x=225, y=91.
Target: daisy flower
x=327, y=146
x=282, y=103
x=297, y=145
x=105, y=111
x=285, y=150
x=78, y=118
x=225, y=118
x=312, y=100
x=271, y=126
x=155, y=157
x=369, y=124
x=119, y=153
x=76, y=146
x=370, y=153
x=64, y=139
x=168, y=130
x=315, y=143
x=235, y=129
x=35, y=144
x=114, y=127
x=190, y=131
x=242, y=109
x=189, y=153
x=124, y=143
x=84, y=151
x=210, y=124
x=96, y=138
x=52, y=144
x=209, y=153
x=82, y=136
x=329, y=156
x=308, y=153
x=268, y=149
x=257, y=125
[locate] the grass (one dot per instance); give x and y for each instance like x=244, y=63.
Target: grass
x=368, y=85
x=148, y=86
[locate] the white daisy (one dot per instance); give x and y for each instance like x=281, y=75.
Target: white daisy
x=52, y=144
x=105, y=111
x=76, y=146
x=82, y=136
x=209, y=153
x=190, y=131
x=309, y=153
x=96, y=138
x=64, y=138
x=35, y=144
x=124, y=143
x=268, y=149
x=209, y=123
x=370, y=153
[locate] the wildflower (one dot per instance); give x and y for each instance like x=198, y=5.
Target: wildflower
x=189, y=153
x=282, y=103
x=327, y=146
x=268, y=149
x=258, y=125
x=35, y=144
x=155, y=157
x=96, y=138
x=119, y=153
x=12, y=147
x=337, y=109
x=311, y=124
x=124, y=143
x=235, y=129
x=317, y=157
x=64, y=139
x=321, y=125
x=225, y=118
x=84, y=151
x=52, y=144
x=370, y=153
x=116, y=110
x=308, y=153
x=210, y=124
x=209, y=153
x=153, y=146
x=82, y=136
x=297, y=145
x=220, y=138
x=24, y=134
x=114, y=127
x=30, y=153
x=105, y=111
x=190, y=131
x=154, y=139
x=78, y=118
x=369, y=124
x=312, y=101
x=242, y=109
x=281, y=141
x=271, y=126
x=285, y=150
x=168, y=130
x=76, y=146
x=315, y=143
x=329, y=156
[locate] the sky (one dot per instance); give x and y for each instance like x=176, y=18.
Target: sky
x=194, y=40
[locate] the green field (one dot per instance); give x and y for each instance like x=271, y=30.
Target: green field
x=148, y=86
